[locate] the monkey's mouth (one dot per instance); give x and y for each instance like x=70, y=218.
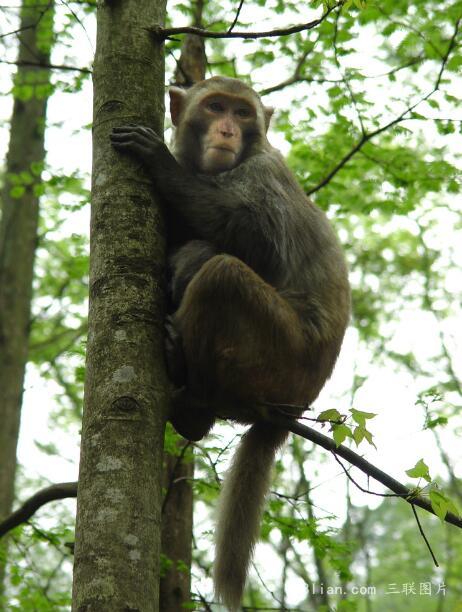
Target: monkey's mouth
x=222, y=148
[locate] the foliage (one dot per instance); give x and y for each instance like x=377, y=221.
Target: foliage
x=398, y=563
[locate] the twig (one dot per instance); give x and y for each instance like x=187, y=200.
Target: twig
x=47, y=66
x=238, y=12
x=358, y=486
x=296, y=77
x=422, y=533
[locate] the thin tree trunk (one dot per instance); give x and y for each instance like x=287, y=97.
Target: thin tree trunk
x=177, y=511
x=177, y=528
x=18, y=233
x=119, y=497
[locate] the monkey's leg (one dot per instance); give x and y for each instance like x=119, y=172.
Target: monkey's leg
x=191, y=417
x=242, y=340
x=184, y=263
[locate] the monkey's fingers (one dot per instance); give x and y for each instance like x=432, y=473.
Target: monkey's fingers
x=137, y=131
x=127, y=142
x=119, y=135
x=141, y=141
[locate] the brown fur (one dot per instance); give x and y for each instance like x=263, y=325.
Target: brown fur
x=260, y=289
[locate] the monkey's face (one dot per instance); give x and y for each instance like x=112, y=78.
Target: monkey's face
x=225, y=122
x=220, y=122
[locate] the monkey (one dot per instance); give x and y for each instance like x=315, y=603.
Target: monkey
x=259, y=291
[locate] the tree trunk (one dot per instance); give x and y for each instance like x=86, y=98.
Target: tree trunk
x=119, y=497
x=177, y=529
x=18, y=233
x=177, y=511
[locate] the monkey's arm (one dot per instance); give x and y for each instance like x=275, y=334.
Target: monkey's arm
x=243, y=211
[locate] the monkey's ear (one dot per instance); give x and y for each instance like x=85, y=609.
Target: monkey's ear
x=269, y=110
x=177, y=96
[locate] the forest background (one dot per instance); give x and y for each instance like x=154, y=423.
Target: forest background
x=368, y=114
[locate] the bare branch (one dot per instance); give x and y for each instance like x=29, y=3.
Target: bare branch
x=61, y=490
x=48, y=66
x=296, y=77
x=238, y=12
x=164, y=33
x=451, y=45
x=18, y=31
x=425, y=539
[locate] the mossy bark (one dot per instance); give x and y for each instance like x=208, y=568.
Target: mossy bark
x=119, y=497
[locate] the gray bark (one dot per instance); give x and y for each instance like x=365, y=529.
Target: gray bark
x=18, y=236
x=119, y=496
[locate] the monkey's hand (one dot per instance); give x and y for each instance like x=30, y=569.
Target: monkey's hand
x=140, y=141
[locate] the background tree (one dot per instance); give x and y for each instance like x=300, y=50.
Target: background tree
x=18, y=230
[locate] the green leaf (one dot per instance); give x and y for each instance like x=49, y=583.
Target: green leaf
x=432, y=423
x=358, y=435
x=361, y=417
x=340, y=433
x=439, y=504
x=420, y=470
x=329, y=415
x=17, y=192
x=369, y=437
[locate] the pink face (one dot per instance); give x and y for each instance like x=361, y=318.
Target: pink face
x=226, y=118
x=215, y=127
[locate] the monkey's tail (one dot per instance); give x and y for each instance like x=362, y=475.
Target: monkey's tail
x=240, y=509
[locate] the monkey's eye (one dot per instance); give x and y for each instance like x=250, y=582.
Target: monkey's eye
x=243, y=112
x=216, y=107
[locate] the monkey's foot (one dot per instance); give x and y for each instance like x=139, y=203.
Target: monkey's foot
x=174, y=354
x=191, y=418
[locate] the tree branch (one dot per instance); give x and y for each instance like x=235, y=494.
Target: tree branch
x=48, y=66
x=69, y=489
x=296, y=77
x=236, y=18
x=165, y=33
x=362, y=464
x=61, y=490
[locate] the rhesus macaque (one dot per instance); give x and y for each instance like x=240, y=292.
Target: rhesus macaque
x=259, y=290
